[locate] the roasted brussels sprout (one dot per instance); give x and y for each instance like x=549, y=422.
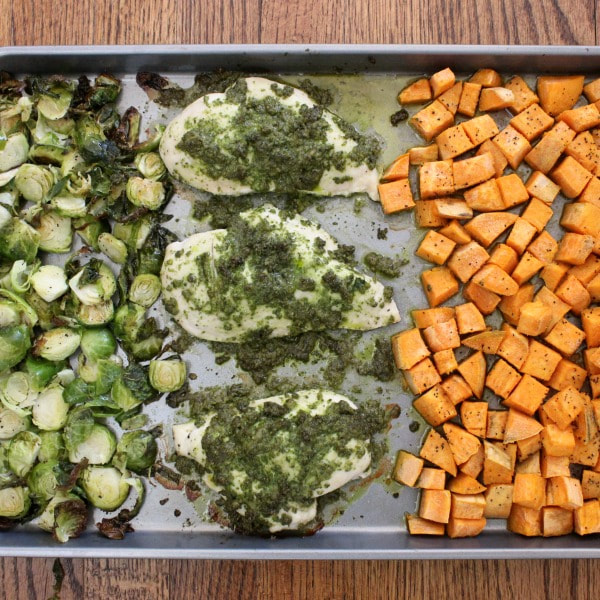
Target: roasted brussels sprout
x=145, y=192
x=70, y=206
x=57, y=344
x=53, y=446
x=105, y=487
x=56, y=234
x=150, y=165
x=134, y=234
x=14, y=343
x=43, y=480
x=90, y=231
x=50, y=282
x=50, y=410
x=23, y=451
x=98, y=343
x=129, y=320
x=11, y=423
x=9, y=313
x=14, y=152
x=19, y=241
x=14, y=502
x=92, y=143
x=70, y=520
x=34, y=182
x=19, y=277
x=78, y=427
x=17, y=392
x=54, y=102
x=98, y=447
x=136, y=451
x=112, y=247
x=97, y=314
x=167, y=375
x=48, y=155
x=41, y=371
x=46, y=519
x=132, y=388
x=93, y=284
x=145, y=290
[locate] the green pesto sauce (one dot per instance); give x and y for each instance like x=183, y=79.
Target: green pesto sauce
x=384, y=265
x=244, y=439
x=269, y=146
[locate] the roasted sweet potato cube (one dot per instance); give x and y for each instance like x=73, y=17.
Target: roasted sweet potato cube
x=530, y=465
x=474, y=417
x=465, y=484
x=432, y=120
x=513, y=144
x=500, y=161
x=514, y=347
x=498, y=500
x=541, y=361
x=419, y=155
x=505, y=257
x=480, y=129
x=571, y=176
x=445, y=361
x=451, y=97
x=524, y=95
x=474, y=170
x=585, y=453
x=582, y=217
x=556, y=521
x=399, y=169
x=592, y=90
x=590, y=484
x=557, y=441
x=425, y=317
x=460, y=528
x=456, y=232
x=572, y=292
x=528, y=266
x=435, y=248
x=565, y=337
x=567, y=374
x=431, y=479
x=564, y=407
x=520, y=235
x=486, y=227
x=439, y=284
x=565, y=492
x=584, y=150
x=552, y=274
x=588, y=270
x=456, y=388
x=422, y=376
x=520, y=426
x=453, y=208
x=510, y=306
x=575, y=248
x=534, y=318
x=469, y=319
x=527, y=396
x=395, y=196
x=418, y=526
x=532, y=122
x=587, y=518
x=495, y=98
x=559, y=92
x=582, y=118
x=591, y=192
x=473, y=370
x=585, y=426
x=469, y=98
x=485, y=197
x=544, y=248
x=537, y=213
x=486, y=341
x=436, y=450
x=441, y=81
x=442, y=336
x=496, y=424
x=409, y=348
x=426, y=214
x=558, y=307
x=554, y=466
x=590, y=319
x=435, y=407
x=549, y=149
x=485, y=301
x=417, y=92
x=494, y=279
x=542, y=187
x=467, y=260
x=486, y=78
x=407, y=468
x=474, y=466
x=595, y=385
x=525, y=521
x=453, y=142
x=502, y=379
x=497, y=465
x=435, y=179
x=526, y=446
x=593, y=288
x=529, y=490
x=512, y=190
x=467, y=506
x=462, y=443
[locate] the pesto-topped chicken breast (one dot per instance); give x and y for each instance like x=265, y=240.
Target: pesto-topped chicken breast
x=270, y=275
x=265, y=136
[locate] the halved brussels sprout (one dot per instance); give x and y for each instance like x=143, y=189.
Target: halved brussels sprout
x=20, y=276
x=7, y=477
x=55, y=103
x=14, y=502
x=97, y=314
x=53, y=446
x=113, y=247
x=41, y=371
x=50, y=282
x=92, y=143
x=14, y=152
x=95, y=283
x=7, y=177
x=152, y=142
x=14, y=343
x=34, y=182
x=9, y=313
x=133, y=234
x=17, y=392
x=49, y=412
x=43, y=480
x=71, y=162
x=69, y=206
x=70, y=520
x=5, y=216
x=19, y=240
x=57, y=344
x=98, y=343
x=46, y=520
x=79, y=185
x=11, y=423
x=145, y=290
x=23, y=451
x=132, y=388
x=167, y=375
x=136, y=451
x=90, y=230
x=145, y=192
x=56, y=234
x=47, y=155
x=150, y=165
x=129, y=319
x=98, y=447
x=105, y=487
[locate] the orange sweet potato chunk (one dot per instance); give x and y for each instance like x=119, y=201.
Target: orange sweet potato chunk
x=513, y=144
x=417, y=92
x=467, y=260
x=487, y=78
x=436, y=450
x=485, y=197
x=532, y=122
x=418, y=526
x=409, y=348
x=453, y=142
x=474, y=170
x=559, y=92
x=524, y=95
x=469, y=98
x=441, y=81
x=395, y=196
x=495, y=98
x=398, y=169
x=439, y=284
x=435, y=248
x=435, y=179
x=451, y=97
x=432, y=120
x=542, y=187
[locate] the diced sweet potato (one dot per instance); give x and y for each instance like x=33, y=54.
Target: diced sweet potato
x=442, y=336
x=549, y=149
x=456, y=388
x=427, y=216
x=418, y=526
x=556, y=521
x=485, y=301
x=441, y=81
x=565, y=337
x=485, y=228
x=486, y=341
x=505, y=257
x=587, y=518
x=431, y=479
x=474, y=466
x=525, y=521
x=529, y=490
x=524, y=95
x=588, y=270
x=471, y=171
x=462, y=443
x=417, y=92
x=557, y=441
x=591, y=192
x=497, y=465
x=419, y=155
x=582, y=217
x=528, y=266
x=592, y=90
x=460, y=528
x=494, y=279
x=590, y=319
x=435, y=179
x=564, y=407
x=432, y=120
x=439, y=284
x=567, y=374
x=495, y=98
x=553, y=273
x=500, y=161
x=541, y=361
x=526, y=446
x=498, y=500
x=572, y=292
x=590, y=484
x=485, y=197
x=451, y=97
x=474, y=417
x=530, y=465
x=453, y=142
x=456, y=232
x=502, y=379
x=544, y=248
x=469, y=319
x=422, y=376
x=512, y=190
x=398, y=169
x=595, y=386
x=480, y=129
x=534, y=318
x=584, y=150
x=520, y=235
x=409, y=348
x=532, y=122
x=445, y=361
x=565, y=492
x=469, y=98
x=425, y=317
x=435, y=248
x=527, y=396
x=465, y=484
x=542, y=187
x=559, y=92
x=467, y=506
x=582, y=118
x=436, y=450
x=513, y=144
x=453, y=208
x=467, y=260
x=510, y=306
x=593, y=288
x=554, y=466
x=571, y=176
x=473, y=370
x=486, y=78
x=520, y=426
x=538, y=213
x=558, y=307
x=407, y=468
x=395, y=196
x=496, y=424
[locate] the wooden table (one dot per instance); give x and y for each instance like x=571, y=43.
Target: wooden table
x=28, y=22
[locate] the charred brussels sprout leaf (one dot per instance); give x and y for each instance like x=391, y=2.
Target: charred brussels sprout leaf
x=79, y=427
x=70, y=520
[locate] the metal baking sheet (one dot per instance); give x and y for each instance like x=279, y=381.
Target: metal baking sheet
x=373, y=526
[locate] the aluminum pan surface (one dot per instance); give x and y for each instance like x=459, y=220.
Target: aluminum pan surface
x=372, y=527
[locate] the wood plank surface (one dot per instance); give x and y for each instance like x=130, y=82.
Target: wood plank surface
x=34, y=22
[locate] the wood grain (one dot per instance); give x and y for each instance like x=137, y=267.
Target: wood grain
x=34, y=22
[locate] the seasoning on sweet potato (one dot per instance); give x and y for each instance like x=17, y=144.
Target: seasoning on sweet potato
x=582, y=118
x=558, y=307
x=502, y=379
x=497, y=465
x=480, y=129
x=532, y=122
x=439, y=284
x=418, y=526
x=584, y=150
x=456, y=388
x=541, y=361
x=474, y=466
x=467, y=260
x=473, y=416
x=510, y=306
x=417, y=92
x=435, y=179
x=588, y=270
x=573, y=293
x=544, y=247
x=407, y=468
x=435, y=248
x=398, y=169
x=409, y=348
x=590, y=319
x=498, y=500
x=528, y=266
x=515, y=346
x=421, y=376
x=441, y=81
x=453, y=142
x=484, y=300
x=520, y=426
x=542, y=187
x=527, y=396
x=565, y=337
x=426, y=214
x=469, y=98
x=486, y=341
x=524, y=95
x=451, y=97
x=549, y=149
x=473, y=370
x=395, y=196
x=559, y=92
x=485, y=197
x=590, y=484
x=495, y=98
x=566, y=374
x=462, y=443
x=436, y=450
x=432, y=120
x=564, y=406
x=485, y=228
x=456, y=232
x=435, y=406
